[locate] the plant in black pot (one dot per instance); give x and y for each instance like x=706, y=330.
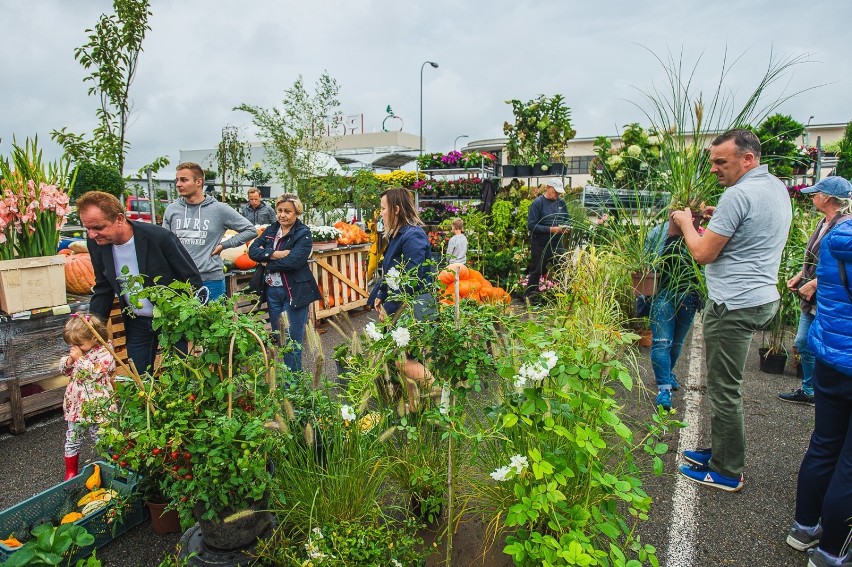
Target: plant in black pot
x=204, y=426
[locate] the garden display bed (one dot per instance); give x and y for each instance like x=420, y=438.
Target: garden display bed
x=45, y=506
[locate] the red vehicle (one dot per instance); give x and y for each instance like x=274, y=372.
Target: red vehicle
x=139, y=209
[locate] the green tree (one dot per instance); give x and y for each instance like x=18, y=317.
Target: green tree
x=778, y=147
x=294, y=137
x=112, y=57
x=844, y=159
x=232, y=156
x=97, y=177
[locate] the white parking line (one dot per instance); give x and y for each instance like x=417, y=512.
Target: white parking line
x=683, y=524
x=38, y=425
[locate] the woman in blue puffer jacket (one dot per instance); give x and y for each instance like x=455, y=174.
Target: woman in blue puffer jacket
x=824, y=492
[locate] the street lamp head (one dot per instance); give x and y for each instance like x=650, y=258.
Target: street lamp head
x=433, y=64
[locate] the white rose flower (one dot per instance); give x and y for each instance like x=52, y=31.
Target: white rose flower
x=501, y=474
x=550, y=359
x=654, y=140
x=347, y=413
x=519, y=462
x=520, y=382
x=634, y=151
x=373, y=331
x=392, y=279
x=401, y=336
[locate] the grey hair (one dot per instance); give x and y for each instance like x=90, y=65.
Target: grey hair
x=843, y=204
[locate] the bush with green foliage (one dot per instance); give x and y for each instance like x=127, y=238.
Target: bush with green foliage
x=778, y=147
x=97, y=177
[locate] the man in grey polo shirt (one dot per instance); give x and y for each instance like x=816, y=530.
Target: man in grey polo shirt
x=742, y=251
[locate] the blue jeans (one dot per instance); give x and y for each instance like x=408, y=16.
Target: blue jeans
x=278, y=301
x=805, y=354
x=215, y=289
x=671, y=319
x=824, y=489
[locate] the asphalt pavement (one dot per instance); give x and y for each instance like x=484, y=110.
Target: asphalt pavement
x=690, y=525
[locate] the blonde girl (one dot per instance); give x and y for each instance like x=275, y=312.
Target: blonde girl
x=90, y=367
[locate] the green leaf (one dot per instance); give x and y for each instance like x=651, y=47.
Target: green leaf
x=509, y=420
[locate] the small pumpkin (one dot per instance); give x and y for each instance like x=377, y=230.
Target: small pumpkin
x=79, y=274
x=71, y=517
x=243, y=262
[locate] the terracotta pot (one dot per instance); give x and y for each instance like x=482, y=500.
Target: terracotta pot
x=644, y=283
x=163, y=521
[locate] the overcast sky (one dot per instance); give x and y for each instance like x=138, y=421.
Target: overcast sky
x=203, y=57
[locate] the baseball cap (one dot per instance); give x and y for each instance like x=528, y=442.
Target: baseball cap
x=557, y=184
x=835, y=186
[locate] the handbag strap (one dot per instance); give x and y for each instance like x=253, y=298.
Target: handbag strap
x=841, y=267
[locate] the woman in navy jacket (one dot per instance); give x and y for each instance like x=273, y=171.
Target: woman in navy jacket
x=290, y=287
x=408, y=250
x=824, y=490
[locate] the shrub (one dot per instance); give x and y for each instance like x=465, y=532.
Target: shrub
x=97, y=177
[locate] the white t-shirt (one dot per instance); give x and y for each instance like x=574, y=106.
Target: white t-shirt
x=124, y=255
x=457, y=249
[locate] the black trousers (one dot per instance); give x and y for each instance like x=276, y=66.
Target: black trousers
x=542, y=255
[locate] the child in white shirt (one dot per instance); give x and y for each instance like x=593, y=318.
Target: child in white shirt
x=457, y=247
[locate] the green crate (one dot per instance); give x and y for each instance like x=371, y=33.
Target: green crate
x=48, y=503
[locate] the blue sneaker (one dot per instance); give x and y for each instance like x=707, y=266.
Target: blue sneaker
x=673, y=382
x=700, y=457
x=703, y=475
x=664, y=398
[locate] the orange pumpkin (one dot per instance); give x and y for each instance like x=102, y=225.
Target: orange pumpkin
x=243, y=262
x=66, y=252
x=79, y=274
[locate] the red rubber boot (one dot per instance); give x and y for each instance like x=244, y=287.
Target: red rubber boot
x=71, y=464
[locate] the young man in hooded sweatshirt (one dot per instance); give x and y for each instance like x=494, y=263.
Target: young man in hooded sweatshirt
x=200, y=221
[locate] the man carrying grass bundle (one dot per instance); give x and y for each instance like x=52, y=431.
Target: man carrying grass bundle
x=742, y=251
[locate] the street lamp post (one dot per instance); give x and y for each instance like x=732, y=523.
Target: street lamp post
x=456, y=141
x=434, y=66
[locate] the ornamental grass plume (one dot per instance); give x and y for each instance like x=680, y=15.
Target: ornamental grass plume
x=686, y=120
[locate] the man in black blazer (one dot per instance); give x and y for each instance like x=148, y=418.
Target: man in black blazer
x=145, y=249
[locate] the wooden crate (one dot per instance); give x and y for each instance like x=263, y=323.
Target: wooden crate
x=342, y=277
x=31, y=283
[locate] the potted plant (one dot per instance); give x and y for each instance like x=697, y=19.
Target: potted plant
x=773, y=353
x=34, y=201
x=204, y=425
x=540, y=134
x=257, y=176
x=324, y=237
x=687, y=120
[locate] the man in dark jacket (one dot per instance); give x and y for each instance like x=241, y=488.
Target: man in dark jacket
x=547, y=221
x=256, y=210
x=144, y=249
